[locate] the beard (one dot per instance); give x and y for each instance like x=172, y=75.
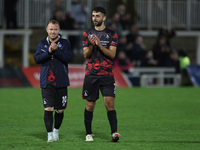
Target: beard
x=98, y=24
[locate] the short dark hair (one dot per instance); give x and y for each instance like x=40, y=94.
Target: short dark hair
x=99, y=9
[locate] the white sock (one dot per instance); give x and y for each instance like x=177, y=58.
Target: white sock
x=55, y=129
x=50, y=133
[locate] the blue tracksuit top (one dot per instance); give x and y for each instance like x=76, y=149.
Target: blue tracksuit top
x=61, y=57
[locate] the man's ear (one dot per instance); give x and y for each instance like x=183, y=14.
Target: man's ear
x=104, y=18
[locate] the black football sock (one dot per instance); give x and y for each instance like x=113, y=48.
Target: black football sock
x=58, y=119
x=88, y=121
x=48, y=120
x=112, y=117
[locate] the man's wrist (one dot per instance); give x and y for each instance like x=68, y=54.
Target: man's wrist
x=100, y=46
x=50, y=50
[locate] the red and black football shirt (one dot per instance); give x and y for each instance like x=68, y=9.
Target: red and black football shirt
x=98, y=63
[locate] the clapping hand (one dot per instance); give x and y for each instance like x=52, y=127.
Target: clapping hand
x=53, y=47
x=94, y=39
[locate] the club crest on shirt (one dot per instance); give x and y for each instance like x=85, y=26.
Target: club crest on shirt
x=60, y=45
x=107, y=36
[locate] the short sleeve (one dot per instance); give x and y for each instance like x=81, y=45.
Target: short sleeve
x=114, y=40
x=85, y=39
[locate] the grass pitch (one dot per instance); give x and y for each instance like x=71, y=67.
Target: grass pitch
x=148, y=119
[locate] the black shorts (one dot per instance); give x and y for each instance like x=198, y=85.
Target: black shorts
x=92, y=85
x=54, y=97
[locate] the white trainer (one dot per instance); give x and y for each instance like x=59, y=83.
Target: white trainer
x=50, y=137
x=56, y=135
x=89, y=137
